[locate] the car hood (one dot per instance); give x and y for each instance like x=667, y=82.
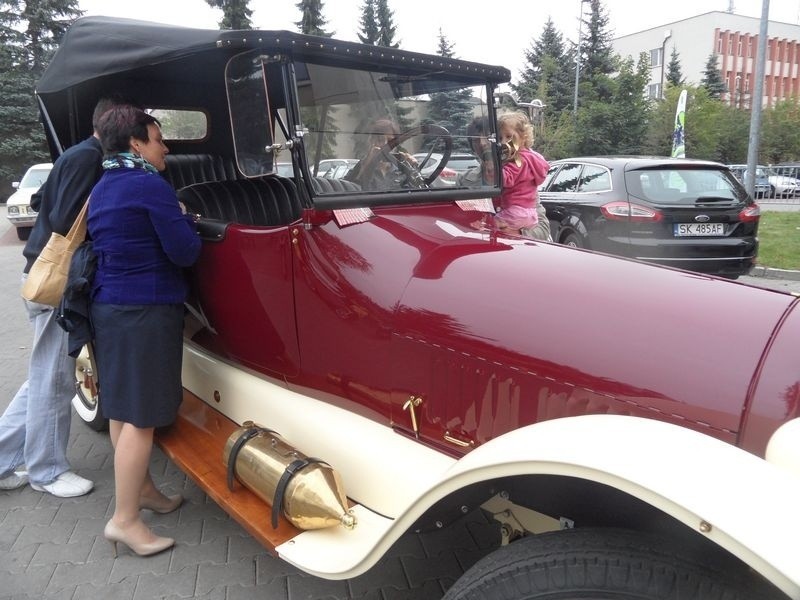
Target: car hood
x=574, y=328
x=21, y=197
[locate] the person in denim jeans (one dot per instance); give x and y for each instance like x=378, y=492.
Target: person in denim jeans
x=34, y=429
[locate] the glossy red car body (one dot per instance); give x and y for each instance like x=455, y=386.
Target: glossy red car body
x=582, y=333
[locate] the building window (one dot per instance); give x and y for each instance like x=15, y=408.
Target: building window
x=730, y=46
x=739, y=48
x=655, y=57
x=654, y=91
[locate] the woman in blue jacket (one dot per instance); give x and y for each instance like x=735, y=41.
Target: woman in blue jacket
x=143, y=241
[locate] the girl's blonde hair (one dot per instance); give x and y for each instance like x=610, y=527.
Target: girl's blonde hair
x=518, y=121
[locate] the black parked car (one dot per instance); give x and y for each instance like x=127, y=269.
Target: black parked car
x=682, y=213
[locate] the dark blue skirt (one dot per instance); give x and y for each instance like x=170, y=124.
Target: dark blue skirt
x=138, y=350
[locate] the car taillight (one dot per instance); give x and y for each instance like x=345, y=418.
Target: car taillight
x=625, y=211
x=448, y=173
x=750, y=213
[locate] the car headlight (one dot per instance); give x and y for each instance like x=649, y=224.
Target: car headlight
x=13, y=210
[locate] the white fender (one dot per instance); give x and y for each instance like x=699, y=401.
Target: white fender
x=741, y=502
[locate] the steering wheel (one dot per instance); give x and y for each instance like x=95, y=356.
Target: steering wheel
x=399, y=161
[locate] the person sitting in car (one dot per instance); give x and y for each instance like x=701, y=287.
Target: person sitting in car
x=385, y=166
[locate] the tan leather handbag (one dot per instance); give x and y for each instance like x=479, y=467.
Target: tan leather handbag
x=47, y=278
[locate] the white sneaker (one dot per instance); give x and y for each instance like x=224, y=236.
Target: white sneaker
x=14, y=481
x=66, y=485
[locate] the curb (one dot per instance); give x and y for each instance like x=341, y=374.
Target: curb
x=772, y=273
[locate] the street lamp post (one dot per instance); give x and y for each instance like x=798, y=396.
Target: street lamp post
x=667, y=35
x=578, y=57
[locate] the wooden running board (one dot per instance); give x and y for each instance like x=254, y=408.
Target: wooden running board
x=195, y=443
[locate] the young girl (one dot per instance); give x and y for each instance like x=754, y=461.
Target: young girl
x=523, y=171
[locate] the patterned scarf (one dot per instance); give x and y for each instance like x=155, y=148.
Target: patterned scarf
x=128, y=160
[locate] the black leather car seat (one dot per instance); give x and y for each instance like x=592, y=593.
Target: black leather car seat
x=265, y=201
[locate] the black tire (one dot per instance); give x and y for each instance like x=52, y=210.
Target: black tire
x=86, y=401
x=573, y=240
x=611, y=564
x=23, y=233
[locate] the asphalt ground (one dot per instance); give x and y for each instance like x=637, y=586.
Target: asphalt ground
x=53, y=548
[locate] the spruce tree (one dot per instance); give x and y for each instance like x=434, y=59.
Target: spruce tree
x=29, y=34
x=712, y=78
x=674, y=72
x=312, y=23
x=597, y=65
x=451, y=109
x=369, y=33
x=235, y=13
x=386, y=26
x=311, y=20
x=548, y=72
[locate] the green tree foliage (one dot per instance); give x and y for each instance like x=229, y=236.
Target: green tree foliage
x=617, y=123
x=712, y=78
x=674, y=72
x=548, y=73
x=779, y=127
x=311, y=20
x=596, y=56
x=235, y=13
x=29, y=33
x=452, y=109
x=369, y=33
x=661, y=123
x=598, y=90
x=386, y=27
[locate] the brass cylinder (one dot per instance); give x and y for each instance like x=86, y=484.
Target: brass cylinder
x=314, y=496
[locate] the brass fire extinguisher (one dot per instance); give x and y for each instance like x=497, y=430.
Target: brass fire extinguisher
x=308, y=491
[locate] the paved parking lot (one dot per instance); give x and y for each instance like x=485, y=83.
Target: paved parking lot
x=54, y=549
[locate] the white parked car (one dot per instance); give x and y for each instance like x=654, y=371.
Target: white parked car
x=783, y=186
x=18, y=206
x=456, y=164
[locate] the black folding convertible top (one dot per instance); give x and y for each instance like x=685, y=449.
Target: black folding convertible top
x=99, y=46
x=164, y=65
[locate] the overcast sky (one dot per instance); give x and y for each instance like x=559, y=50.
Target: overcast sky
x=498, y=36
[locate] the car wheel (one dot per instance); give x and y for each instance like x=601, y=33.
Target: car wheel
x=573, y=240
x=86, y=401
x=23, y=233
x=600, y=563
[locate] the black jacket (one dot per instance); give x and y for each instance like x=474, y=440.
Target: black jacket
x=61, y=197
x=72, y=314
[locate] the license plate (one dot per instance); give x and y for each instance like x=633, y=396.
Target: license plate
x=694, y=229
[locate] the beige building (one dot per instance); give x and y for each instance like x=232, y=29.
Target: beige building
x=734, y=40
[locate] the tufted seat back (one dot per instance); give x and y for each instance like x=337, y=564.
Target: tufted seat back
x=188, y=169
x=324, y=185
x=267, y=201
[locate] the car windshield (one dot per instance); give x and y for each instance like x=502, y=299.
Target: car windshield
x=682, y=185
x=344, y=114
x=34, y=178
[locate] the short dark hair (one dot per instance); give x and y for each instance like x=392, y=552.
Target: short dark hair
x=121, y=123
x=478, y=127
x=106, y=103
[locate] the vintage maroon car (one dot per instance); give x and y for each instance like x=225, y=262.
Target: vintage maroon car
x=633, y=429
